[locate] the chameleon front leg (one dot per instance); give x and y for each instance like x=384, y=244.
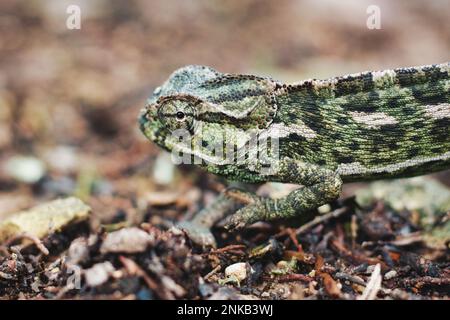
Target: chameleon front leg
x=320, y=186
x=228, y=202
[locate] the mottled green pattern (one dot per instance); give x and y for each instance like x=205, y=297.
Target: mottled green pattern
x=403, y=96
x=372, y=125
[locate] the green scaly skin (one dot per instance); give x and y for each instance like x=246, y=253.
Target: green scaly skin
x=359, y=127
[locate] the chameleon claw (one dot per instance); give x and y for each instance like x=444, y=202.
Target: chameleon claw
x=234, y=223
x=247, y=214
x=199, y=234
x=244, y=216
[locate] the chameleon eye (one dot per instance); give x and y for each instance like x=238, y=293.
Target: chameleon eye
x=180, y=116
x=177, y=114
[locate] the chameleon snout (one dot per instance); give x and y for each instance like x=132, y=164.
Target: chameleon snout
x=142, y=119
x=148, y=114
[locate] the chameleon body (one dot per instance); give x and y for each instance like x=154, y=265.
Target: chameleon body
x=358, y=127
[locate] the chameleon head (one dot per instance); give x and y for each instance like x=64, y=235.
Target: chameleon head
x=197, y=108
x=171, y=107
x=168, y=116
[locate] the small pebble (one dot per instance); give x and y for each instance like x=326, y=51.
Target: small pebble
x=127, y=240
x=25, y=169
x=98, y=274
x=390, y=274
x=237, y=270
x=78, y=251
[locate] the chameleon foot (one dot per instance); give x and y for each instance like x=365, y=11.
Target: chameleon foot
x=254, y=208
x=243, y=217
x=199, y=228
x=198, y=233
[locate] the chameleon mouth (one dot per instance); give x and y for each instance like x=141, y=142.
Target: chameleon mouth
x=147, y=115
x=143, y=119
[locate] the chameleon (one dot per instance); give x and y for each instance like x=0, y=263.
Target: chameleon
x=318, y=134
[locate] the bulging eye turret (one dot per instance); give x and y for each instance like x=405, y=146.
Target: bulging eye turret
x=176, y=115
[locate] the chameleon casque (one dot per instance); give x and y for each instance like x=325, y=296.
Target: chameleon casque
x=358, y=127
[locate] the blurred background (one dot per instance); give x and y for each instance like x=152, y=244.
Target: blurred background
x=69, y=99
